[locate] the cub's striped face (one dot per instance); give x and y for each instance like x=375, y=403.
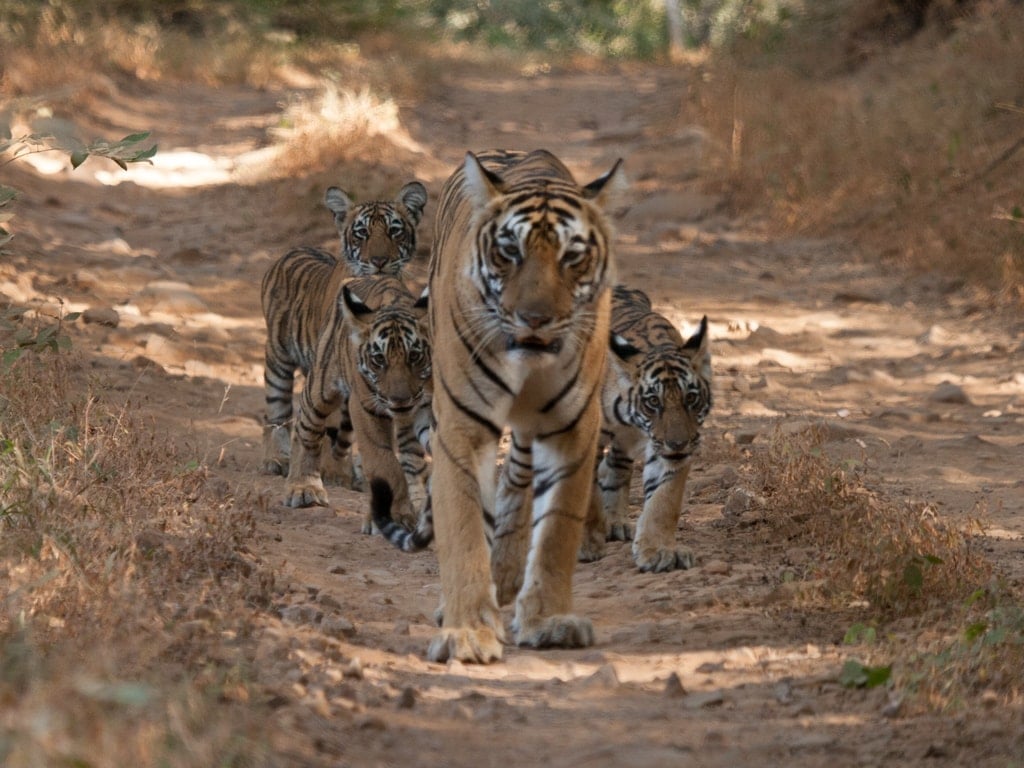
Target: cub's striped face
x=541, y=257
x=392, y=352
x=378, y=237
x=669, y=393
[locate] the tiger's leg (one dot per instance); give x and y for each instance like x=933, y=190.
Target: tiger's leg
x=279, y=380
x=304, y=487
x=613, y=478
x=595, y=528
x=462, y=496
x=563, y=481
x=411, y=439
x=512, y=520
x=654, y=548
x=374, y=434
x=340, y=465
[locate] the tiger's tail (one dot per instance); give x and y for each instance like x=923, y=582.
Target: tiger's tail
x=381, y=499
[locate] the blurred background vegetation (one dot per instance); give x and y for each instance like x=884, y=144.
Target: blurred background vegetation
x=896, y=123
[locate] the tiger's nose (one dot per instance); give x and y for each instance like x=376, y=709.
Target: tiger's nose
x=533, y=319
x=676, y=446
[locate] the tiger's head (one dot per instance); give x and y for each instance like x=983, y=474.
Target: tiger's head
x=390, y=349
x=378, y=237
x=667, y=390
x=541, y=256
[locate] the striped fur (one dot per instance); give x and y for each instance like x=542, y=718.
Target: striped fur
x=656, y=396
x=371, y=360
x=520, y=276
x=297, y=293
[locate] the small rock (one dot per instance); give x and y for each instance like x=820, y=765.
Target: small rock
x=407, y=699
x=370, y=722
x=893, y=707
x=745, y=436
x=674, y=686
x=328, y=600
x=604, y=678
x=740, y=384
x=729, y=477
x=402, y=628
x=949, y=393
x=717, y=567
x=337, y=568
x=783, y=692
x=301, y=614
x=739, y=501
x=704, y=700
x=354, y=669
x=101, y=316
x=171, y=297
x=337, y=626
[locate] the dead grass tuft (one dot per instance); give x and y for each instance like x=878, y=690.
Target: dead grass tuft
x=895, y=558
x=910, y=146
x=120, y=559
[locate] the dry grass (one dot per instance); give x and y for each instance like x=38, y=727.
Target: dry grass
x=952, y=632
x=128, y=589
x=912, y=147
x=893, y=558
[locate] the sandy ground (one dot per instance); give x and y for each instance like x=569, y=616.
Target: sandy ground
x=708, y=667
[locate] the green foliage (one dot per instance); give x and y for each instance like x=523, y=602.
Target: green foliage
x=16, y=338
x=122, y=152
x=860, y=634
x=857, y=675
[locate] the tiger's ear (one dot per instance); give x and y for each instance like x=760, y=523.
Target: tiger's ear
x=338, y=203
x=622, y=348
x=698, y=346
x=424, y=300
x=481, y=185
x=607, y=192
x=353, y=307
x=414, y=197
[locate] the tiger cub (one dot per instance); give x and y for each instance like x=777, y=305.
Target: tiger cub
x=372, y=353
x=656, y=395
x=297, y=291
x=521, y=271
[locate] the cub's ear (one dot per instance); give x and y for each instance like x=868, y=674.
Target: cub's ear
x=352, y=306
x=622, y=348
x=698, y=346
x=424, y=300
x=608, y=192
x=481, y=185
x=414, y=197
x=338, y=203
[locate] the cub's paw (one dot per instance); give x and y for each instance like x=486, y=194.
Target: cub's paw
x=620, y=532
x=592, y=546
x=306, y=492
x=564, y=631
x=475, y=645
x=662, y=559
x=274, y=467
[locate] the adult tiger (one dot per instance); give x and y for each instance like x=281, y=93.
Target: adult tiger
x=520, y=273
x=656, y=396
x=297, y=292
x=373, y=353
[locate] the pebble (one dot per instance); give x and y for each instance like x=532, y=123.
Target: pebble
x=171, y=297
x=739, y=501
x=704, y=700
x=717, y=567
x=605, y=678
x=337, y=626
x=407, y=699
x=101, y=316
x=949, y=393
x=674, y=686
x=300, y=614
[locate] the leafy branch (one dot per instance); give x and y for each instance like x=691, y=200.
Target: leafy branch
x=122, y=152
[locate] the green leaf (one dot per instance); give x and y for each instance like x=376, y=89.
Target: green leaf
x=78, y=157
x=975, y=630
x=134, y=138
x=70, y=317
x=7, y=194
x=932, y=559
x=913, y=576
x=10, y=356
x=1017, y=212
x=859, y=633
x=857, y=675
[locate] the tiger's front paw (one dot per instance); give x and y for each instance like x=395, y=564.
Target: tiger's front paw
x=339, y=471
x=662, y=559
x=276, y=449
x=306, y=492
x=563, y=631
x=475, y=645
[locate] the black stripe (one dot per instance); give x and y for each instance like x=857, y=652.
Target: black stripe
x=490, y=374
x=565, y=390
x=478, y=418
x=575, y=420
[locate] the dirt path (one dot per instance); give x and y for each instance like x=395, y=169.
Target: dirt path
x=715, y=666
